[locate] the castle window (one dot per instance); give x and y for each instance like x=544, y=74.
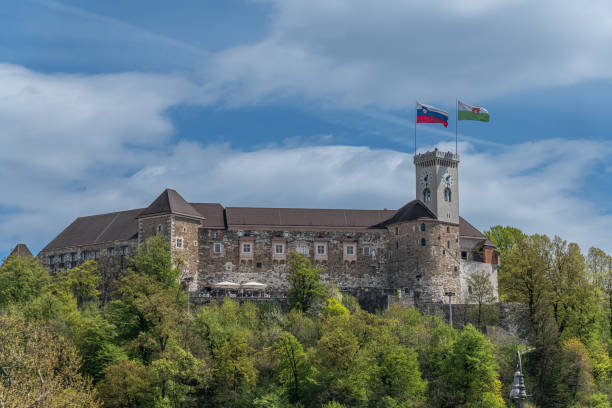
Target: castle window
x=350, y=249
x=184, y=229
x=321, y=249
x=51, y=260
x=396, y=245
x=447, y=194
x=240, y=233
x=447, y=229
x=110, y=250
x=217, y=248
x=85, y=255
x=212, y=235
x=423, y=242
x=124, y=250
x=423, y=227
x=246, y=248
x=179, y=242
x=396, y=230
x=258, y=264
x=302, y=249
x=96, y=254
x=62, y=258
x=160, y=228
x=365, y=251
x=73, y=257
x=279, y=249
x=463, y=254
x=448, y=244
x=286, y=234
x=444, y=252
x=426, y=195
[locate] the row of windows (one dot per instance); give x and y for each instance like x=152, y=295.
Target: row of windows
x=447, y=195
x=279, y=249
x=85, y=255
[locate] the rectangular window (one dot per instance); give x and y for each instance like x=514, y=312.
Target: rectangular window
x=124, y=250
x=110, y=251
x=179, y=242
x=321, y=249
x=96, y=254
x=73, y=257
x=365, y=251
x=246, y=248
x=350, y=250
x=51, y=260
x=85, y=255
x=303, y=249
x=463, y=255
x=62, y=258
x=217, y=248
x=279, y=249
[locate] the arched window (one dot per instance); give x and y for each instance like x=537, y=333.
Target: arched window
x=426, y=195
x=447, y=194
x=423, y=242
x=423, y=227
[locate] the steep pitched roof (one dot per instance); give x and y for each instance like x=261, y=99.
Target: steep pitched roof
x=170, y=202
x=212, y=213
x=413, y=210
x=302, y=217
x=97, y=229
x=21, y=250
x=467, y=230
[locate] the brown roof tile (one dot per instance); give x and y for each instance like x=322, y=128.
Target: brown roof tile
x=170, y=202
x=21, y=250
x=411, y=211
x=301, y=217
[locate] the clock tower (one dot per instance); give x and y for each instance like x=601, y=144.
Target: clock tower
x=437, y=183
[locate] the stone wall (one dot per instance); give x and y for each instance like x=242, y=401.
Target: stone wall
x=470, y=267
x=424, y=272
x=186, y=230
x=366, y=270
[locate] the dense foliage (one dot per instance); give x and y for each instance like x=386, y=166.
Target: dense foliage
x=61, y=346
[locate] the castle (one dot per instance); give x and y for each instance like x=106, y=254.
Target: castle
x=421, y=251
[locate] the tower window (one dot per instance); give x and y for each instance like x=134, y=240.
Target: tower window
x=448, y=244
x=160, y=228
x=423, y=242
x=426, y=195
x=463, y=254
x=423, y=227
x=447, y=194
x=217, y=248
x=179, y=242
x=447, y=229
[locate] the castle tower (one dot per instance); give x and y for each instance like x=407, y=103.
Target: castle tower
x=437, y=183
x=178, y=222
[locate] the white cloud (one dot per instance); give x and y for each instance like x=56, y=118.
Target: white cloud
x=357, y=52
x=80, y=145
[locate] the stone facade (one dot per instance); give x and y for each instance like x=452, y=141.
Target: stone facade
x=418, y=252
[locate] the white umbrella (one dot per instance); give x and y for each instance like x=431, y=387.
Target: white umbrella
x=254, y=285
x=226, y=285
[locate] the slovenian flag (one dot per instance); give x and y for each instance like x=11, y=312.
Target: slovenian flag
x=469, y=112
x=429, y=114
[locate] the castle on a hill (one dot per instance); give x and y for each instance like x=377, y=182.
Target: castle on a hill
x=422, y=251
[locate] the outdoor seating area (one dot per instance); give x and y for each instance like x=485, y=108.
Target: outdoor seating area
x=247, y=290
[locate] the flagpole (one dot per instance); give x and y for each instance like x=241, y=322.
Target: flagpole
x=415, y=124
x=456, y=124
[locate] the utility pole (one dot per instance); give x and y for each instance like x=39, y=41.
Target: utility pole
x=450, y=307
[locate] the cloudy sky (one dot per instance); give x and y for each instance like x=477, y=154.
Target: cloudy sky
x=303, y=103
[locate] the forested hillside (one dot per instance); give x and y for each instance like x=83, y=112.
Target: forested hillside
x=60, y=346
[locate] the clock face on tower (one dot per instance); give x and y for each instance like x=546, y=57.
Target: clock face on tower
x=447, y=179
x=425, y=178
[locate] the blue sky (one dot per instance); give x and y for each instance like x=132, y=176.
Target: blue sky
x=305, y=104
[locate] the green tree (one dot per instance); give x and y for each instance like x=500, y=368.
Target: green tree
x=81, y=282
x=400, y=375
x=481, y=291
x=306, y=285
x=22, y=278
x=293, y=367
x=40, y=368
x=470, y=372
x=127, y=384
x=154, y=259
